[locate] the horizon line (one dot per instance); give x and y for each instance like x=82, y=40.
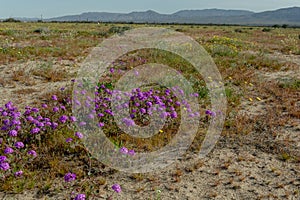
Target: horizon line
x=113, y=12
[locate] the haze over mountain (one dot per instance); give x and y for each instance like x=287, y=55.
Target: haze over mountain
x=289, y=16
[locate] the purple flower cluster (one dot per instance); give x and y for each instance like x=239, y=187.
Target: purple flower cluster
x=124, y=150
x=210, y=113
x=19, y=173
x=54, y=97
x=19, y=145
x=128, y=122
x=8, y=150
x=11, y=119
x=63, y=119
x=40, y=124
x=3, y=164
x=69, y=177
x=80, y=197
x=2, y=158
x=32, y=153
x=79, y=135
x=69, y=140
x=116, y=188
x=141, y=103
x=34, y=121
x=20, y=130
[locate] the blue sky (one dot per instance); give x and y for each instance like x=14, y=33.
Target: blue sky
x=53, y=8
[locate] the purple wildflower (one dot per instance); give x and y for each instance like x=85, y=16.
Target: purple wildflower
x=174, y=114
x=40, y=124
x=54, y=125
x=69, y=140
x=9, y=106
x=100, y=115
x=4, y=128
x=19, y=145
x=124, y=150
x=118, y=98
x=125, y=105
x=18, y=128
x=73, y=119
x=35, y=130
x=100, y=124
x=136, y=73
x=32, y=152
x=133, y=110
x=149, y=104
x=19, y=173
x=4, y=166
x=128, y=122
x=8, y=150
x=108, y=111
x=30, y=118
x=63, y=119
x=4, y=113
x=131, y=152
x=16, y=114
x=69, y=177
x=35, y=110
x=191, y=115
x=27, y=112
x=143, y=110
x=164, y=115
x=13, y=133
x=6, y=122
x=116, y=188
x=54, y=97
x=208, y=112
x=55, y=109
x=172, y=108
x=80, y=197
x=211, y=113
x=2, y=158
x=83, y=92
x=91, y=116
x=40, y=118
x=82, y=123
x=79, y=135
x=77, y=102
x=48, y=123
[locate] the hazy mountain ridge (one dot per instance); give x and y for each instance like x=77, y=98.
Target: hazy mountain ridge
x=207, y=16
x=211, y=13
x=290, y=14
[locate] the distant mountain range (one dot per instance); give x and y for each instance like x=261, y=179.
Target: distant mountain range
x=290, y=16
